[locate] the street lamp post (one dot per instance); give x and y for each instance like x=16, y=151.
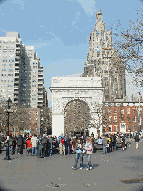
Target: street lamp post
x=9, y=102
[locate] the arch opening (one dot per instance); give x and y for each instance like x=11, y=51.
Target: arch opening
x=77, y=117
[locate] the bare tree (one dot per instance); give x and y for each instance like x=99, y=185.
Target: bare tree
x=46, y=119
x=129, y=44
x=20, y=118
x=77, y=116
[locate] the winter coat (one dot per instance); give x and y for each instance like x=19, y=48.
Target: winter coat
x=44, y=140
x=79, y=148
x=59, y=138
x=137, y=138
x=29, y=143
x=105, y=141
x=20, y=141
x=114, y=139
x=89, y=148
x=34, y=141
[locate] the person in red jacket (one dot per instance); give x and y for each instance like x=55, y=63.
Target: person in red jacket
x=28, y=145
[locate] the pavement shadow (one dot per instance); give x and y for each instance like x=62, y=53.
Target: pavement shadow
x=94, y=165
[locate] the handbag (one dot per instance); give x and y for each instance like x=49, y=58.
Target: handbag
x=84, y=151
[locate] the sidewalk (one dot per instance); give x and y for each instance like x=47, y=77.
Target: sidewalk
x=32, y=173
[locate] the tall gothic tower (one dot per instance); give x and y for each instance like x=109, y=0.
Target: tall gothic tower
x=102, y=60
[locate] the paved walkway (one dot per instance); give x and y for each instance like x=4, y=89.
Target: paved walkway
x=32, y=173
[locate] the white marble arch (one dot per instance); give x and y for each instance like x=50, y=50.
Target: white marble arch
x=65, y=89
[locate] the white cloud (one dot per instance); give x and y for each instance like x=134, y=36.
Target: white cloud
x=40, y=45
x=20, y=2
x=88, y=6
x=3, y=30
x=76, y=17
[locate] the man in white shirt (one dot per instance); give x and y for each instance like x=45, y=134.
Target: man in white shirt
x=34, y=142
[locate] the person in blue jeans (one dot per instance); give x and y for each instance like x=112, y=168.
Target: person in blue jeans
x=104, y=144
x=89, y=150
x=79, y=154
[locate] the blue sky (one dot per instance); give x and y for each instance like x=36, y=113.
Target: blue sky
x=59, y=29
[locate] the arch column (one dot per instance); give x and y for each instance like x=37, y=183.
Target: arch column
x=57, y=124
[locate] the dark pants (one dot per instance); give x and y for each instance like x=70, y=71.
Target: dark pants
x=20, y=150
x=67, y=148
x=114, y=146
x=108, y=149
x=45, y=149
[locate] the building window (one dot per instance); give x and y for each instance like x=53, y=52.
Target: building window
x=4, y=60
x=109, y=110
x=115, y=127
x=110, y=127
x=115, y=111
x=104, y=111
x=128, y=119
x=115, y=118
x=133, y=111
x=10, y=70
x=122, y=119
x=3, y=69
x=122, y=111
x=128, y=110
x=134, y=128
x=110, y=118
x=104, y=128
x=11, y=60
x=134, y=119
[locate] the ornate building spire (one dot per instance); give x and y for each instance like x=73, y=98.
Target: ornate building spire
x=102, y=60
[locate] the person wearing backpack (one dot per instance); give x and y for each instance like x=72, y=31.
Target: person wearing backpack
x=44, y=141
x=61, y=144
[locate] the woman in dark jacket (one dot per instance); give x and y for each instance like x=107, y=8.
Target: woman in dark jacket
x=20, y=143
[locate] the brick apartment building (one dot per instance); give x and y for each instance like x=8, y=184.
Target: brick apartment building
x=123, y=117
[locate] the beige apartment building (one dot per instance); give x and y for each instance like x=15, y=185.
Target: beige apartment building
x=21, y=74
x=102, y=60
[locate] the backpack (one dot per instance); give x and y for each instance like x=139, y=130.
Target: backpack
x=62, y=140
x=44, y=140
x=11, y=142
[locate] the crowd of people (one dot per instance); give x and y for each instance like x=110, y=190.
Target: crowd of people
x=43, y=146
